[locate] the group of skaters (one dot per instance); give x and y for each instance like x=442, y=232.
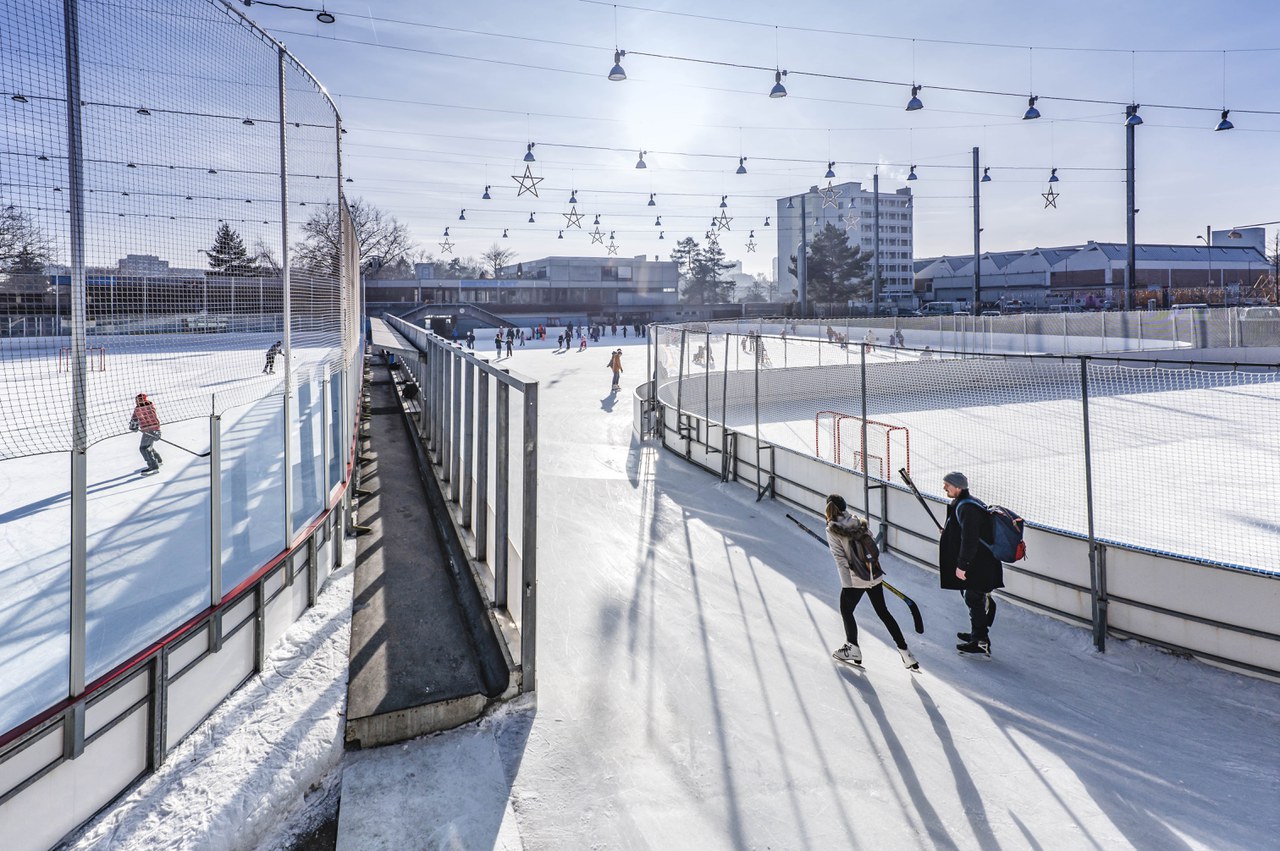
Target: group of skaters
x=965, y=564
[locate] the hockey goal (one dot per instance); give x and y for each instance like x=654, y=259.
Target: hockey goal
x=95, y=358
x=837, y=437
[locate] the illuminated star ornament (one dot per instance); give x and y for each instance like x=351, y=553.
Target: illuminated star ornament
x=613, y=247
x=573, y=218
x=1050, y=198
x=597, y=235
x=528, y=183
x=446, y=247
x=722, y=222
x=850, y=221
x=829, y=195
x=751, y=246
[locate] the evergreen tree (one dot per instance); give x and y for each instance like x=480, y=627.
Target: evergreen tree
x=700, y=269
x=836, y=270
x=228, y=255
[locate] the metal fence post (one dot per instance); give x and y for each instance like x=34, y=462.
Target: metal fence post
x=455, y=433
x=468, y=442
x=1097, y=571
x=287, y=296
x=866, y=468
x=482, y=468
x=501, y=483
x=215, y=507
x=529, y=544
x=77, y=641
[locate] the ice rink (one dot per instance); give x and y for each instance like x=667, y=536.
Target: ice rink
x=159, y=523
x=687, y=699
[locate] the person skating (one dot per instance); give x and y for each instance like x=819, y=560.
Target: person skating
x=146, y=420
x=272, y=353
x=497, y=343
x=615, y=364
x=510, y=348
x=471, y=339
x=582, y=342
x=858, y=563
x=966, y=564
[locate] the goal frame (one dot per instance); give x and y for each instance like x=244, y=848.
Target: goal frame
x=95, y=358
x=839, y=420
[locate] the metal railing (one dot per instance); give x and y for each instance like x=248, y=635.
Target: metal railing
x=468, y=428
x=751, y=418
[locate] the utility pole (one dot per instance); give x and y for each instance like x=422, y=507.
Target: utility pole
x=1131, y=264
x=875, y=273
x=802, y=262
x=977, y=238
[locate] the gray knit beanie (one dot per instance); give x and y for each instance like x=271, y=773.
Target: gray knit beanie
x=957, y=480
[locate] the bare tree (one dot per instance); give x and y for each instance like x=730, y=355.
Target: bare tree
x=497, y=257
x=378, y=234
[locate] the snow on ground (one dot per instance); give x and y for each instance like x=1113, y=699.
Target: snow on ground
x=262, y=768
x=686, y=696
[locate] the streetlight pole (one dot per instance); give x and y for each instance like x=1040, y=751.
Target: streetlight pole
x=977, y=238
x=1207, y=239
x=1131, y=264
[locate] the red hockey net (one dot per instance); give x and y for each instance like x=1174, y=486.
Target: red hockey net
x=95, y=358
x=837, y=437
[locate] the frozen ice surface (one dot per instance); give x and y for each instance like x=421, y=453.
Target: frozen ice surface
x=687, y=699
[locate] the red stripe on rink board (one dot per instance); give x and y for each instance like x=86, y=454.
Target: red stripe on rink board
x=128, y=666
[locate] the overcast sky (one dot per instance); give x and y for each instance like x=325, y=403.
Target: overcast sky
x=441, y=100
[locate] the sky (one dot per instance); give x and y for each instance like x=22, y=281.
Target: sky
x=442, y=101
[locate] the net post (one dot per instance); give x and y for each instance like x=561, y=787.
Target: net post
x=78, y=356
x=215, y=504
x=286, y=296
x=1097, y=572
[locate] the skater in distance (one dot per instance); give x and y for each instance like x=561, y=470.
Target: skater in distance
x=965, y=564
x=858, y=563
x=272, y=354
x=146, y=420
x=615, y=364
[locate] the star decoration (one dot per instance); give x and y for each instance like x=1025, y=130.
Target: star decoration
x=850, y=221
x=573, y=218
x=446, y=247
x=722, y=223
x=597, y=235
x=829, y=195
x=528, y=183
x=613, y=247
x=751, y=246
x=1050, y=198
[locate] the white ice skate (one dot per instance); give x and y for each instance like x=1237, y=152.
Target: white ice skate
x=850, y=654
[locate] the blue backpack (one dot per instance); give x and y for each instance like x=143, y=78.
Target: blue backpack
x=1006, y=531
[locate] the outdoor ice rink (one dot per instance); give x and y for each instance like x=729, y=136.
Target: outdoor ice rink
x=148, y=538
x=686, y=697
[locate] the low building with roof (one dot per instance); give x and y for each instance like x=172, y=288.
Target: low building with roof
x=1232, y=270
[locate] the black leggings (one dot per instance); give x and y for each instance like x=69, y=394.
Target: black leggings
x=849, y=598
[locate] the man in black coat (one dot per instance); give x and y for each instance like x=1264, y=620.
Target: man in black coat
x=967, y=564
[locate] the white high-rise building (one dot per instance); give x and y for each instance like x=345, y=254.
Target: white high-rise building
x=849, y=207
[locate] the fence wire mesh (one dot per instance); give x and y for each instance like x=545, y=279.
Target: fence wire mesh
x=204, y=163
x=1179, y=451
x=183, y=204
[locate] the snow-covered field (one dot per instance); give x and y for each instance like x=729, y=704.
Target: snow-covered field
x=686, y=696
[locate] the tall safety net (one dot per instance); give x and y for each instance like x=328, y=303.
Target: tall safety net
x=1178, y=452
x=171, y=225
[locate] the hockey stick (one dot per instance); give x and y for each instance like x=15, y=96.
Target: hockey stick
x=916, y=620
x=185, y=449
x=906, y=477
